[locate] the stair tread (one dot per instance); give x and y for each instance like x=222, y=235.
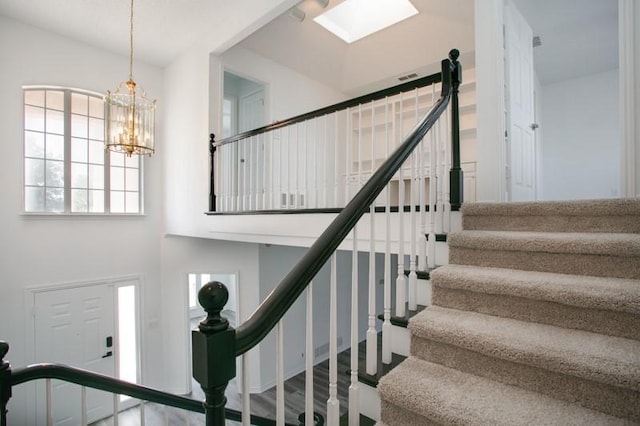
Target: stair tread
x=382, y=369
x=422, y=275
x=403, y=321
x=613, y=244
x=591, y=356
x=616, y=294
x=610, y=207
x=448, y=396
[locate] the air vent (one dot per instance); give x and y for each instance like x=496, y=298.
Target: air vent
x=536, y=41
x=408, y=76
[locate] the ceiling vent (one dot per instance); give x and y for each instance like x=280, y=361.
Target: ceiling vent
x=408, y=77
x=536, y=41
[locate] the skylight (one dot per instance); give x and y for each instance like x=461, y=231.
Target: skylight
x=352, y=20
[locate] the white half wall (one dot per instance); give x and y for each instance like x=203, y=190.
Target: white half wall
x=581, y=145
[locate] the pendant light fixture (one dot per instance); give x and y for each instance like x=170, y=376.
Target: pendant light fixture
x=130, y=115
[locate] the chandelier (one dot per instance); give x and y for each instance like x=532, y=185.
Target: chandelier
x=130, y=115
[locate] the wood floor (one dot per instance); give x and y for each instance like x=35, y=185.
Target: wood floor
x=263, y=404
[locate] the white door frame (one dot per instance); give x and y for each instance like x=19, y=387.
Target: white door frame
x=490, y=78
x=30, y=348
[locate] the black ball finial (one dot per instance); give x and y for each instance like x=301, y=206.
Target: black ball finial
x=212, y=297
x=454, y=54
x=4, y=349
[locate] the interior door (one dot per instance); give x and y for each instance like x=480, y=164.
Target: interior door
x=251, y=111
x=521, y=149
x=75, y=326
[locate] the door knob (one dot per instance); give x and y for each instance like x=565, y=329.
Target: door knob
x=108, y=354
x=534, y=126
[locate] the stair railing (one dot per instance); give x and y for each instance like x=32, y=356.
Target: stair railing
x=88, y=379
x=216, y=344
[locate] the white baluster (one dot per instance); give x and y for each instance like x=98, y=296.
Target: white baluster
x=116, y=409
x=336, y=166
x=142, y=416
x=413, y=277
x=333, y=404
x=386, y=325
x=354, y=389
x=287, y=168
x=372, y=335
x=83, y=405
x=49, y=406
x=348, y=147
x=431, y=242
x=280, y=374
x=246, y=396
x=308, y=381
x=296, y=170
x=165, y=412
x=401, y=296
x=302, y=193
x=323, y=173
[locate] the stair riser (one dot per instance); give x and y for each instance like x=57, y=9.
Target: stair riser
x=609, y=399
x=392, y=415
x=563, y=263
x=625, y=224
x=598, y=321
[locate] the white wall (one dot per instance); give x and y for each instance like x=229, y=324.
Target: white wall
x=581, y=145
x=47, y=249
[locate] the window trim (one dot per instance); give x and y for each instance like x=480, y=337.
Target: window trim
x=67, y=160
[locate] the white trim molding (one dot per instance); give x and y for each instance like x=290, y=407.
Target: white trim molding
x=629, y=132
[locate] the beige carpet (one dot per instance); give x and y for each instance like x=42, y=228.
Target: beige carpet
x=535, y=321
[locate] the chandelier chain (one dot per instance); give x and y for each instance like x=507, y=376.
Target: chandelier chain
x=131, y=44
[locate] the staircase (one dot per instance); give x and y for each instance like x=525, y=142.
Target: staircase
x=536, y=320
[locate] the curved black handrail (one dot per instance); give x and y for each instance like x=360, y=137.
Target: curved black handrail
x=273, y=308
x=98, y=381
x=380, y=94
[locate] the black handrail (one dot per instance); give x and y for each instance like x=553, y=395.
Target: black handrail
x=101, y=382
x=380, y=94
x=273, y=308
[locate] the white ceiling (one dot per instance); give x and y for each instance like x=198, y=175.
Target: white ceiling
x=578, y=36
x=162, y=28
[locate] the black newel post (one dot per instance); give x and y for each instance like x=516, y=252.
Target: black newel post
x=5, y=385
x=212, y=189
x=455, y=174
x=213, y=352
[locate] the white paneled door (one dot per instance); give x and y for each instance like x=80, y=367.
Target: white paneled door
x=75, y=326
x=521, y=136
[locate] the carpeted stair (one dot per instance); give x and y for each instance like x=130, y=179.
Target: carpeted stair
x=536, y=320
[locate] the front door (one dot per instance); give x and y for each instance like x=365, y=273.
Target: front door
x=75, y=326
x=521, y=149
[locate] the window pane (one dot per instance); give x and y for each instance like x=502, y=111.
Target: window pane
x=54, y=199
x=79, y=126
x=96, y=177
x=79, y=200
x=132, y=202
x=117, y=202
x=96, y=201
x=79, y=150
x=33, y=199
x=33, y=118
x=34, y=144
x=131, y=179
x=96, y=152
x=78, y=175
x=96, y=107
x=117, y=158
x=55, y=100
x=55, y=122
x=34, y=97
x=33, y=172
x=117, y=178
x=55, y=147
x=79, y=103
x=55, y=173
x=132, y=161
x=96, y=129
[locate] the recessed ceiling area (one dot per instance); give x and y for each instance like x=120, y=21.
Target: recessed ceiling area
x=372, y=62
